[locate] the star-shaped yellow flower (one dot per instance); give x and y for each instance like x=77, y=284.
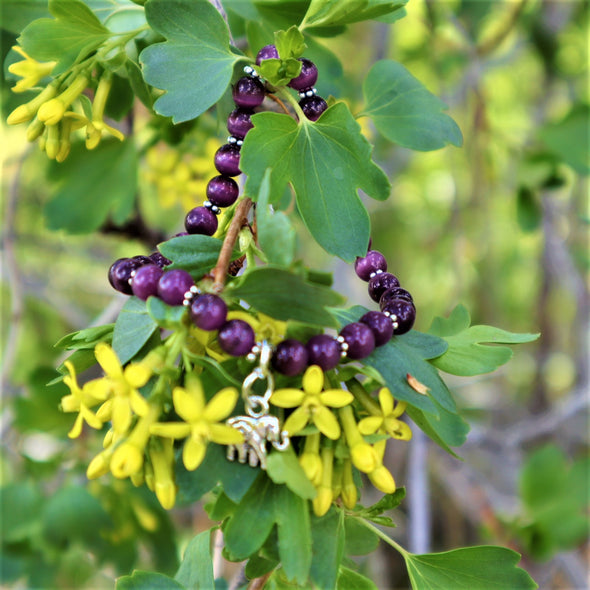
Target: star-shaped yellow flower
x=311, y=404
x=387, y=421
x=30, y=70
x=201, y=421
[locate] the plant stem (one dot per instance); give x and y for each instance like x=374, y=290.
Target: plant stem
x=383, y=536
x=279, y=102
x=223, y=262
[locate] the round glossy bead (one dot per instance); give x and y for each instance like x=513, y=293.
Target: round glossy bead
x=222, y=191
x=120, y=273
x=239, y=123
x=380, y=325
x=290, y=357
x=404, y=312
x=313, y=107
x=236, y=337
x=159, y=259
x=324, y=351
x=208, y=312
x=145, y=281
x=267, y=52
x=381, y=282
x=360, y=340
x=172, y=286
x=307, y=77
x=369, y=264
x=201, y=220
x=394, y=293
x=248, y=92
x=227, y=160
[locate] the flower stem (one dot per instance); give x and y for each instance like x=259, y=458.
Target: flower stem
x=383, y=536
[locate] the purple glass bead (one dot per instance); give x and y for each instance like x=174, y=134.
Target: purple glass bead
x=159, y=259
x=372, y=262
x=324, y=351
x=172, y=286
x=381, y=282
x=145, y=281
x=290, y=357
x=313, y=107
x=201, y=220
x=267, y=52
x=394, y=293
x=380, y=325
x=236, y=337
x=402, y=313
x=222, y=191
x=227, y=160
x=120, y=272
x=308, y=76
x=239, y=123
x=208, y=312
x=360, y=340
x=248, y=92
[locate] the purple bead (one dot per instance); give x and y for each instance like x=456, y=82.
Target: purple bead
x=381, y=282
x=227, y=160
x=201, y=220
x=160, y=259
x=239, y=123
x=394, y=293
x=372, y=262
x=324, y=351
x=290, y=357
x=308, y=76
x=380, y=325
x=236, y=337
x=402, y=314
x=248, y=92
x=222, y=191
x=267, y=52
x=208, y=312
x=120, y=272
x=360, y=340
x=180, y=234
x=172, y=286
x=145, y=281
x=313, y=107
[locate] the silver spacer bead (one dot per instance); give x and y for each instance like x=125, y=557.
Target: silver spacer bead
x=248, y=70
x=213, y=208
x=309, y=93
x=395, y=325
x=240, y=142
x=343, y=346
x=374, y=274
x=195, y=290
x=232, y=139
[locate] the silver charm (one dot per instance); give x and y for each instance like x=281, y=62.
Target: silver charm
x=258, y=427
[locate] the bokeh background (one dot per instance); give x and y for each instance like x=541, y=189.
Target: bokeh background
x=500, y=225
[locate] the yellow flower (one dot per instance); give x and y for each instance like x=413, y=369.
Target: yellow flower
x=25, y=112
x=363, y=455
x=52, y=111
x=201, y=421
x=161, y=453
x=311, y=404
x=310, y=460
x=80, y=400
x=95, y=127
x=100, y=465
x=30, y=70
x=123, y=387
x=322, y=502
x=382, y=479
x=349, y=492
x=387, y=420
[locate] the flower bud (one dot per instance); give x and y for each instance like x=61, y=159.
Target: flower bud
x=35, y=130
x=126, y=460
x=52, y=111
x=25, y=112
x=382, y=479
x=52, y=143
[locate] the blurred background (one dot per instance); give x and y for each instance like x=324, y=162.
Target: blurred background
x=500, y=225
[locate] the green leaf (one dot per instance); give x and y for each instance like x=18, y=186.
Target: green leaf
x=294, y=534
x=257, y=566
x=91, y=186
x=359, y=540
x=276, y=235
x=328, y=548
x=195, y=65
x=404, y=111
x=140, y=580
x=72, y=35
x=471, y=568
x=290, y=43
x=387, y=502
x=350, y=580
x=529, y=213
x=283, y=467
x=166, y=316
x=20, y=507
x=329, y=13
x=87, y=338
x=133, y=329
x=138, y=85
x=466, y=354
x=17, y=14
x=196, y=569
x=279, y=72
x=194, y=253
x=326, y=162
x=285, y=296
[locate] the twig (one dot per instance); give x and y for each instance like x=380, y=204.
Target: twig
x=223, y=262
x=280, y=103
x=259, y=583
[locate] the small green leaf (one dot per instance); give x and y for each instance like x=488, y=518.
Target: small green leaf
x=257, y=566
x=166, y=316
x=359, y=540
x=138, y=85
x=327, y=547
x=290, y=43
x=470, y=568
x=196, y=569
x=20, y=507
x=466, y=354
x=326, y=162
x=87, y=338
x=330, y=13
x=194, y=253
x=279, y=72
x=140, y=580
x=350, y=580
x=283, y=467
x=387, y=502
x=285, y=296
x=133, y=329
x=17, y=14
x=404, y=111
x=195, y=65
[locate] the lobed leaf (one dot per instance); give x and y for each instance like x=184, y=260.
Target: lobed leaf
x=328, y=548
x=133, y=329
x=194, y=253
x=330, y=13
x=196, y=568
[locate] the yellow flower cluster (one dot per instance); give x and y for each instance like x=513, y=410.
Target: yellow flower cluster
x=52, y=113
x=179, y=175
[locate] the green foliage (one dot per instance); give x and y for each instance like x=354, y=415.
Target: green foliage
x=133, y=329
x=196, y=569
x=330, y=13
